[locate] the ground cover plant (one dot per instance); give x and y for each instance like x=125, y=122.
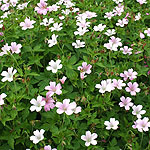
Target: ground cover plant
x=74, y=75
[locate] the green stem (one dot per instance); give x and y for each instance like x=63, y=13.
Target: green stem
x=141, y=140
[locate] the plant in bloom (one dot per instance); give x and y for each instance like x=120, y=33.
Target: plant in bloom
x=118, y=84
x=38, y=136
x=37, y=104
x=125, y=102
x=137, y=111
x=54, y=66
x=63, y=79
x=84, y=69
x=132, y=88
x=53, y=88
x=8, y=76
x=2, y=96
x=89, y=138
x=142, y=124
x=126, y=50
x=15, y=48
x=147, y=32
x=42, y=7
x=112, y=124
x=27, y=24
x=106, y=85
x=5, y=49
x=48, y=147
x=78, y=44
x=66, y=107
x=53, y=41
x=49, y=102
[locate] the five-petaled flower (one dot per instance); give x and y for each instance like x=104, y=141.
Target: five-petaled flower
x=38, y=136
x=37, y=104
x=8, y=75
x=2, y=96
x=112, y=124
x=89, y=138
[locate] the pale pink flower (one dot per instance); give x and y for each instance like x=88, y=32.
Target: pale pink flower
x=143, y=124
x=5, y=49
x=132, y=88
x=78, y=44
x=147, y=32
x=83, y=24
x=81, y=31
x=118, y=1
x=63, y=79
x=37, y=104
x=56, y=27
x=110, y=32
x=85, y=68
x=76, y=110
x=122, y=22
x=90, y=15
x=15, y=48
x=89, y=138
x=118, y=84
x=27, y=24
x=82, y=75
x=42, y=7
x=53, y=88
x=53, y=8
x=109, y=15
x=112, y=124
x=38, y=136
x=126, y=102
x=132, y=74
x=138, y=16
x=100, y=27
x=124, y=75
x=142, y=36
x=141, y=1
x=126, y=50
x=49, y=102
x=137, y=111
x=66, y=107
x=2, y=96
x=48, y=147
x=5, y=7
x=118, y=10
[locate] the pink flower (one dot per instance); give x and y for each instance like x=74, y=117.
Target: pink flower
x=124, y=75
x=143, y=124
x=42, y=7
x=118, y=84
x=49, y=102
x=109, y=15
x=132, y=88
x=126, y=50
x=125, y=102
x=15, y=48
x=84, y=69
x=48, y=147
x=137, y=111
x=132, y=74
x=141, y=1
x=27, y=24
x=53, y=88
x=142, y=36
x=3, y=95
x=63, y=79
x=66, y=107
x=5, y=49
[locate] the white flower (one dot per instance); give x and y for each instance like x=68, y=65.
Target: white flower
x=100, y=27
x=3, y=95
x=38, y=136
x=138, y=16
x=122, y=22
x=105, y=85
x=8, y=75
x=56, y=27
x=54, y=66
x=53, y=41
x=47, y=22
x=78, y=44
x=5, y=49
x=112, y=124
x=147, y=32
x=137, y=111
x=81, y=31
x=109, y=15
x=89, y=138
x=110, y=32
x=37, y=104
x=118, y=1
